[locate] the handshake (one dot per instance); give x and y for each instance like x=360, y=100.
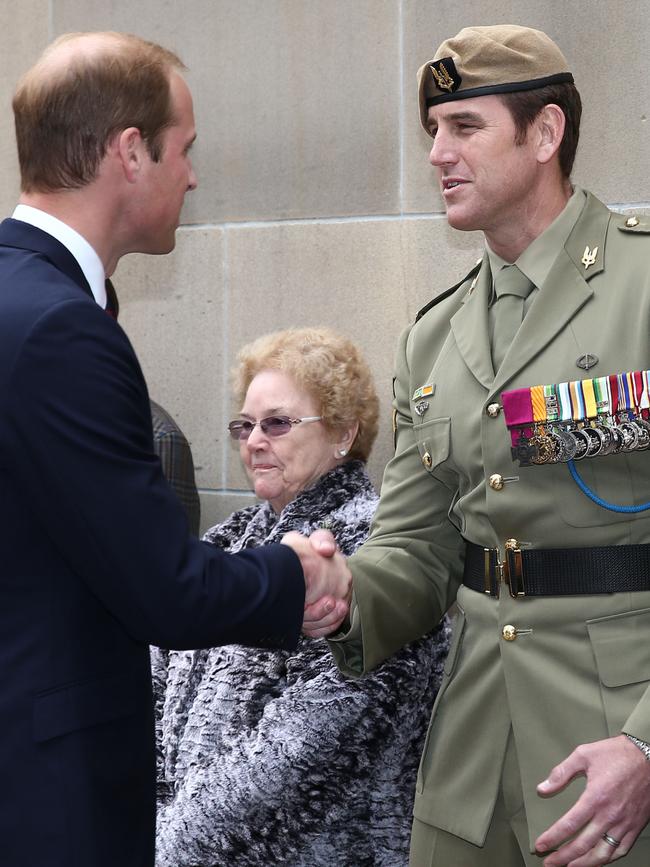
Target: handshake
x=328, y=581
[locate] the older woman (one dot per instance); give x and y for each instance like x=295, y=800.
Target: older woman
x=270, y=757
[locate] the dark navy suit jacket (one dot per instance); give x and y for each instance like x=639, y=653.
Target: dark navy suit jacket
x=96, y=563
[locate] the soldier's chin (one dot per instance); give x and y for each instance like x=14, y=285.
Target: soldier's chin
x=463, y=222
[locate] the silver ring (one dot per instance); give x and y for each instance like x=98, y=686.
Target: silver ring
x=612, y=841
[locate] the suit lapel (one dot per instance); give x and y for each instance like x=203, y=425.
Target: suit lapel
x=564, y=292
x=470, y=327
x=15, y=233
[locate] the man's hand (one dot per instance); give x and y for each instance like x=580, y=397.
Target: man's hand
x=328, y=581
x=616, y=802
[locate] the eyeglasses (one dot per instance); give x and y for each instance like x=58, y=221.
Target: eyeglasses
x=273, y=426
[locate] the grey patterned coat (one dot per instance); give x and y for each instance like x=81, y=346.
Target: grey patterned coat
x=272, y=757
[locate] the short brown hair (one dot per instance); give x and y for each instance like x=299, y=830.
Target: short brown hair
x=525, y=105
x=66, y=114
x=326, y=365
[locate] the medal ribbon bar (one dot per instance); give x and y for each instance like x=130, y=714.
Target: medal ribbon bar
x=583, y=418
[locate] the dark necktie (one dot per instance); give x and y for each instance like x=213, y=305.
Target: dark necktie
x=112, y=304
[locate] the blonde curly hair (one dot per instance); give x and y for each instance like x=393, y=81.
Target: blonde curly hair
x=329, y=367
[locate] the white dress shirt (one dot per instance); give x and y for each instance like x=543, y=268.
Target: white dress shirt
x=88, y=260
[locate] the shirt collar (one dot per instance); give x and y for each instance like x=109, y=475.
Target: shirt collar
x=88, y=260
x=537, y=259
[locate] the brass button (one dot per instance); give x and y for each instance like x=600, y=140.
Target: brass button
x=496, y=482
x=427, y=460
x=493, y=410
x=631, y=222
x=509, y=632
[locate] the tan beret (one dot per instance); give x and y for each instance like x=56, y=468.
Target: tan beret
x=483, y=60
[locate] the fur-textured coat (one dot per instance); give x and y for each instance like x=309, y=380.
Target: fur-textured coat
x=272, y=757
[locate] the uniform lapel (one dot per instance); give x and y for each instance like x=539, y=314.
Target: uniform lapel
x=470, y=327
x=564, y=292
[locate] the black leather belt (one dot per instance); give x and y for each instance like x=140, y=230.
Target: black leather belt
x=557, y=571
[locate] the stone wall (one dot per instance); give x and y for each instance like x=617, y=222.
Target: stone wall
x=316, y=203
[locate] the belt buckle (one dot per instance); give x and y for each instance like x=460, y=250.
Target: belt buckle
x=510, y=570
x=514, y=569
x=492, y=572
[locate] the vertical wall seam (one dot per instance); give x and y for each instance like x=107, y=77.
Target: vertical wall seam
x=225, y=389
x=402, y=159
x=400, y=53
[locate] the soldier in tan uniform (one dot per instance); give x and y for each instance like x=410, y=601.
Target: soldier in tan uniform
x=539, y=738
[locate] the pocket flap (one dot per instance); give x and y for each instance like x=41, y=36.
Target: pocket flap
x=621, y=645
x=433, y=438
x=83, y=704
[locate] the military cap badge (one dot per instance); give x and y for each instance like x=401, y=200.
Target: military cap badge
x=445, y=75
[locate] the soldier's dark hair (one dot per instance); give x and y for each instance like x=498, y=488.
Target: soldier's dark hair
x=525, y=105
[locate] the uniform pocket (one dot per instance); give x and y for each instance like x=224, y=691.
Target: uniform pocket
x=622, y=480
x=621, y=647
x=432, y=438
x=82, y=704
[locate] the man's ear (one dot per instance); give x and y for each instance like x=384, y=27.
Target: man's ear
x=550, y=124
x=130, y=150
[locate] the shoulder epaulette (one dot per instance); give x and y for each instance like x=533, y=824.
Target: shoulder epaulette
x=636, y=226
x=449, y=292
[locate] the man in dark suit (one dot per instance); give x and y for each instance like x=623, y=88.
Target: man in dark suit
x=96, y=559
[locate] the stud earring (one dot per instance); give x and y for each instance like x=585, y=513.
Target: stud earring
x=342, y=452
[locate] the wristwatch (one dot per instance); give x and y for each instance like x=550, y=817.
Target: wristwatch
x=642, y=745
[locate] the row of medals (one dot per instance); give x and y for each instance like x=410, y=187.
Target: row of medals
x=558, y=442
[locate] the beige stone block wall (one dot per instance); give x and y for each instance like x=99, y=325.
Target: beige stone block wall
x=174, y=311
x=316, y=203
x=603, y=40
x=22, y=37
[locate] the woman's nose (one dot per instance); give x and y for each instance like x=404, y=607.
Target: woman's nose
x=257, y=438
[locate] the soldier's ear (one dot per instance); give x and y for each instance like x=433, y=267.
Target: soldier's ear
x=549, y=126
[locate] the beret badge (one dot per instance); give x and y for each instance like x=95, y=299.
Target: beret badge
x=445, y=75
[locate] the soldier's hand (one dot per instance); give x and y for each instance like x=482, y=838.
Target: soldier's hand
x=325, y=616
x=616, y=802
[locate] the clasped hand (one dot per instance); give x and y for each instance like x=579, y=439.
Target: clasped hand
x=328, y=581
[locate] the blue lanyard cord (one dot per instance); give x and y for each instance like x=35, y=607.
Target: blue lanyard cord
x=596, y=499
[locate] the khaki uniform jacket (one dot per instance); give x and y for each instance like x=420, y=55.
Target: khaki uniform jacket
x=580, y=671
